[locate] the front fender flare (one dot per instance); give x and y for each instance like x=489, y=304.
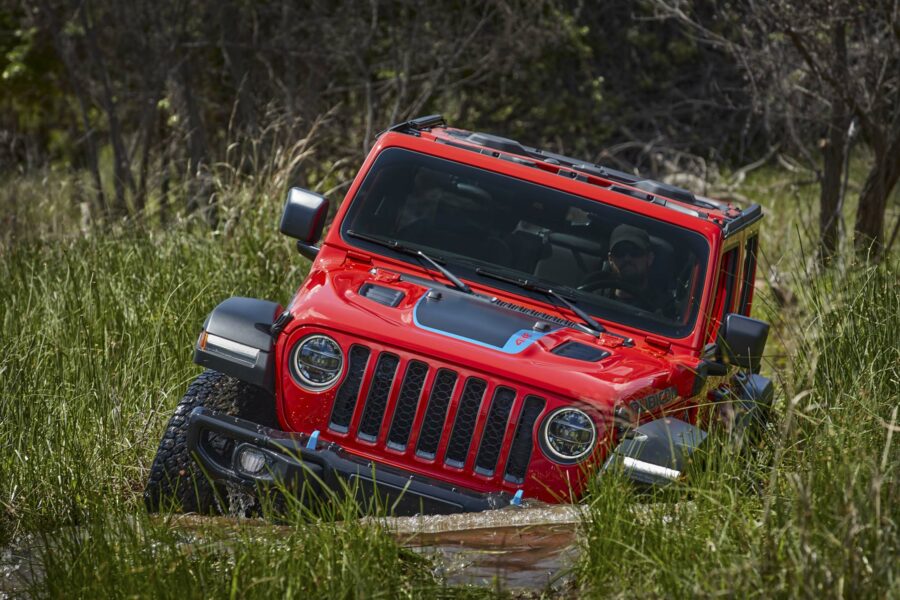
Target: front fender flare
x=237, y=340
x=656, y=453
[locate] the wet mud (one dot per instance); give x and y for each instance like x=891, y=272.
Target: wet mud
x=516, y=549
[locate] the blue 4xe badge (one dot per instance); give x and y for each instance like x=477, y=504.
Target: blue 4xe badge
x=653, y=401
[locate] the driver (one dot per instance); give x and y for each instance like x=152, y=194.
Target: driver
x=630, y=257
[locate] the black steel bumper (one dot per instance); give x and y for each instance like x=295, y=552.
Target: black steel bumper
x=318, y=471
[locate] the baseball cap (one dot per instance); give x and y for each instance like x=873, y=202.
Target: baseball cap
x=627, y=233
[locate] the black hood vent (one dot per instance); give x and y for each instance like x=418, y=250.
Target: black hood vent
x=381, y=295
x=579, y=351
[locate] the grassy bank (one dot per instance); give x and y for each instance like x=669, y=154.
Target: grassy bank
x=97, y=336
x=97, y=331
x=816, y=512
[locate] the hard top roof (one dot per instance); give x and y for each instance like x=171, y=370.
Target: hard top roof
x=729, y=217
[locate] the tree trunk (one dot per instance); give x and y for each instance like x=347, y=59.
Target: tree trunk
x=199, y=188
x=145, y=134
x=234, y=58
x=882, y=178
x=834, y=153
x=122, y=164
x=69, y=61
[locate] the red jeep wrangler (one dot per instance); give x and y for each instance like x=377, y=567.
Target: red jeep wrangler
x=483, y=322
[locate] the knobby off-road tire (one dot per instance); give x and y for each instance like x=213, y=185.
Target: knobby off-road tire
x=743, y=422
x=176, y=481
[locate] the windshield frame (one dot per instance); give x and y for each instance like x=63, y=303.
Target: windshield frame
x=608, y=311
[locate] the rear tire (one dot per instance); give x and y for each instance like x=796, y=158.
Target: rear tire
x=176, y=480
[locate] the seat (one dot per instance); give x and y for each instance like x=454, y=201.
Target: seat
x=662, y=271
x=569, y=259
x=527, y=246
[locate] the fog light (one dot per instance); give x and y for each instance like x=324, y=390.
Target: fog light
x=250, y=460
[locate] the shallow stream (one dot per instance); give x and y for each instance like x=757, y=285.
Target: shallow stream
x=512, y=549
x=520, y=549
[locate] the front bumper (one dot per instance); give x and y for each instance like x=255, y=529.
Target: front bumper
x=320, y=471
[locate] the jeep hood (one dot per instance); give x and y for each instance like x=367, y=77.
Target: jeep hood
x=427, y=318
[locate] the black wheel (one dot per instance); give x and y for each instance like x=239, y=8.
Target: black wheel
x=746, y=422
x=175, y=480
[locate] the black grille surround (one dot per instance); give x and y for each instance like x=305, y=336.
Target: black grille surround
x=439, y=401
x=345, y=400
x=464, y=426
x=494, y=428
x=407, y=401
x=523, y=440
x=377, y=399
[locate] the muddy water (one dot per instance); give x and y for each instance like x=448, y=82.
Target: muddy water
x=18, y=567
x=520, y=549
x=526, y=549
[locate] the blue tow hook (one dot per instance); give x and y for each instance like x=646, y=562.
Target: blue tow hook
x=313, y=440
x=517, y=499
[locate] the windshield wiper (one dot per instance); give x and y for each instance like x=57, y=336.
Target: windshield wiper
x=395, y=245
x=593, y=327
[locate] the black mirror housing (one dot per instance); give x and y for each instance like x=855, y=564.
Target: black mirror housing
x=304, y=215
x=743, y=341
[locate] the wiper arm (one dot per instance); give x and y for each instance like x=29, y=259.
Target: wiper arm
x=593, y=327
x=395, y=245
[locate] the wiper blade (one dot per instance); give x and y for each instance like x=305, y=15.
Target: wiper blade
x=593, y=327
x=395, y=245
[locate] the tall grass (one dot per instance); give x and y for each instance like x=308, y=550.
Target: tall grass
x=97, y=334
x=97, y=331
x=824, y=522
x=120, y=552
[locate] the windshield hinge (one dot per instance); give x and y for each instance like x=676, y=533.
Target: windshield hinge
x=658, y=342
x=359, y=257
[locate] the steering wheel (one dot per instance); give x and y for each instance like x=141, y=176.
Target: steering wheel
x=611, y=283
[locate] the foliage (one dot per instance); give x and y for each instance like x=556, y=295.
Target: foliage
x=170, y=89
x=814, y=513
x=821, y=70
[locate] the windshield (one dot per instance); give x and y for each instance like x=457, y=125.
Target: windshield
x=617, y=265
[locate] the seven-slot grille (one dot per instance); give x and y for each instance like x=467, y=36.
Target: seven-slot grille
x=472, y=413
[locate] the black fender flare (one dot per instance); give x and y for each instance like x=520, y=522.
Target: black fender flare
x=237, y=339
x=753, y=398
x=656, y=453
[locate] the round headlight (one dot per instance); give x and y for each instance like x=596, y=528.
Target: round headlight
x=317, y=362
x=568, y=435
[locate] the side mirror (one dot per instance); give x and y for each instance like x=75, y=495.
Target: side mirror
x=743, y=340
x=303, y=219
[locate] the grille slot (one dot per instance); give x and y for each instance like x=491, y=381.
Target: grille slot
x=523, y=441
x=436, y=413
x=464, y=425
x=494, y=428
x=376, y=401
x=347, y=394
x=407, y=401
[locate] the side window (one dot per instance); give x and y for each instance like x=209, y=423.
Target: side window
x=726, y=288
x=750, y=251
